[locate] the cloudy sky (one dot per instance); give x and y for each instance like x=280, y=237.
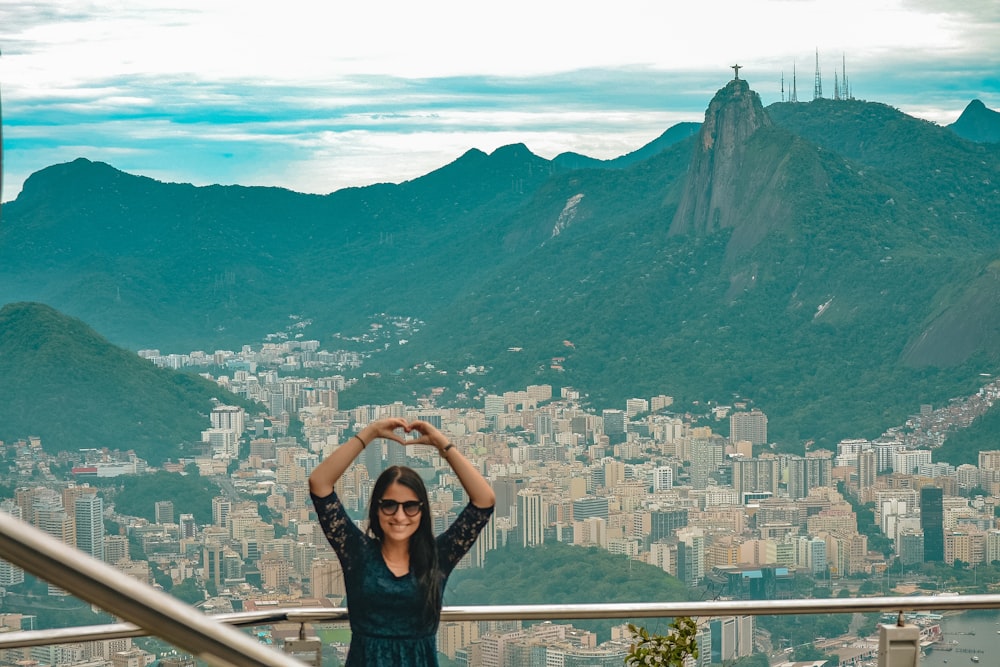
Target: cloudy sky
x=317, y=95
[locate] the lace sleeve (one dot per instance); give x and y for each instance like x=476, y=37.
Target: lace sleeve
x=461, y=535
x=340, y=531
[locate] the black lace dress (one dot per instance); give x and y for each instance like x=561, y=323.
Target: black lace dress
x=389, y=625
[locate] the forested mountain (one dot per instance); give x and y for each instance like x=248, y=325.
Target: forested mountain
x=68, y=385
x=978, y=123
x=833, y=261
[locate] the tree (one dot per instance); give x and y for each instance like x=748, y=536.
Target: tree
x=188, y=591
x=669, y=650
x=868, y=587
x=809, y=652
x=162, y=578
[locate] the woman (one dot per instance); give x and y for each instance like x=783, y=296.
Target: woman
x=395, y=576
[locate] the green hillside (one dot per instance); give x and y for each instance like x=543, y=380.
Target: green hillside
x=74, y=389
x=565, y=574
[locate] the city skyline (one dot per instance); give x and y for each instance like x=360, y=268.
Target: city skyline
x=316, y=98
x=571, y=485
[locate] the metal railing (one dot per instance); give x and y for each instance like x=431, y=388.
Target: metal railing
x=539, y=612
x=156, y=612
x=216, y=639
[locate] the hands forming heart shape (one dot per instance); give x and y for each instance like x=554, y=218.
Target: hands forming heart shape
x=390, y=428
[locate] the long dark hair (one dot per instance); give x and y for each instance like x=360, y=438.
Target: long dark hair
x=423, y=547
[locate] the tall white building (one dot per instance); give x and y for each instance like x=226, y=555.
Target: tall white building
x=663, y=478
x=89, y=511
x=908, y=461
x=221, y=509
x=883, y=454
x=691, y=555
x=10, y=574
x=486, y=542
x=531, y=516
x=49, y=515
x=657, y=403
x=634, y=406
x=229, y=417
x=493, y=406
x=223, y=442
x=810, y=554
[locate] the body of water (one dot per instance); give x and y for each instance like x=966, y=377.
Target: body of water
x=972, y=634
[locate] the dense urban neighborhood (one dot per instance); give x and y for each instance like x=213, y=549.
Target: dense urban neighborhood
x=726, y=513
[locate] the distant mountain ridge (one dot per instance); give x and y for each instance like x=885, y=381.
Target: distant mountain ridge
x=671, y=136
x=978, y=123
x=805, y=256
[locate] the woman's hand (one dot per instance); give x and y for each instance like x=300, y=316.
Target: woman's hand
x=428, y=435
x=384, y=428
x=480, y=493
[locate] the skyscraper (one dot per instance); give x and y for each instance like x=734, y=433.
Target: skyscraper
x=10, y=574
x=530, y=517
x=163, y=511
x=706, y=456
x=614, y=424
x=663, y=478
x=188, y=526
x=506, y=489
x=932, y=522
x=867, y=469
x=89, y=510
x=756, y=476
x=221, y=509
x=664, y=523
x=691, y=555
x=750, y=426
x=371, y=458
x=589, y=507
x=544, y=427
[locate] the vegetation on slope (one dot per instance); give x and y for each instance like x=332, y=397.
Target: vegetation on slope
x=137, y=495
x=557, y=573
x=71, y=387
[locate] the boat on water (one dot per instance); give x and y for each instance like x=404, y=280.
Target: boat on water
x=975, y=658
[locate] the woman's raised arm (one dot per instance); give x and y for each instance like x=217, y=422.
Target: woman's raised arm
x=324, y=476
x=479, y=490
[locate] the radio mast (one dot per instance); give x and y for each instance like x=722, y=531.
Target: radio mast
x=818, y=88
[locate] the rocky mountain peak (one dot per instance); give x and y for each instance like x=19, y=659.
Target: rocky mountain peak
x=978, y=123
x=709, y=200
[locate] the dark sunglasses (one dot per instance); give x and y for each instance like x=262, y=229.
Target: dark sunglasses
x=389, y=507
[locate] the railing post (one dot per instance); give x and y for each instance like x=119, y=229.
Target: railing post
x=308, y=650
x=899, y=645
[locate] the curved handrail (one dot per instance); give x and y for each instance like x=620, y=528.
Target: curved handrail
x=542, y=612
x=155, y=611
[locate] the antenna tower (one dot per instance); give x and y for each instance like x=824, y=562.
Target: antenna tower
x=818, y=88
x=846, y=92
x=794, y=97
x=782, y=86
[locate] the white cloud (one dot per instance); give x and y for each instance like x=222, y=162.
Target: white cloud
x=389, y=89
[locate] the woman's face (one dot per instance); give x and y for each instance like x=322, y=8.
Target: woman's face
x=398, y=526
